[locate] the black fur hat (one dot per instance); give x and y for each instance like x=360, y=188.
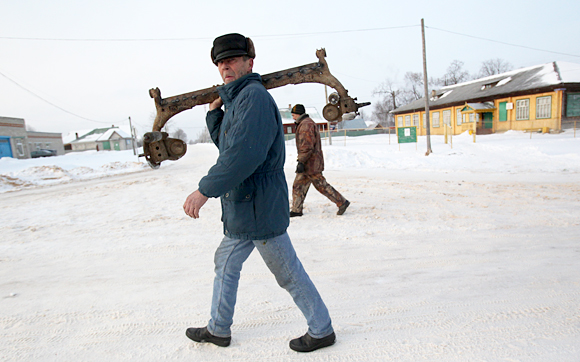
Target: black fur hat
x=298, y=109
x=231, y=45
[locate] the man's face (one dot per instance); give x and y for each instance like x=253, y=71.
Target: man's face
x=295, y=116
x=234, y=68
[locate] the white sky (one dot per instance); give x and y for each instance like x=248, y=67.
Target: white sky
x=108, y=81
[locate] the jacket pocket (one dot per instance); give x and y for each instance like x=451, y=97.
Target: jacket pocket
x=243, y=193
x=239, y=213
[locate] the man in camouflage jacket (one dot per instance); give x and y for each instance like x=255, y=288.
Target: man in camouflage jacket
x=310, y=165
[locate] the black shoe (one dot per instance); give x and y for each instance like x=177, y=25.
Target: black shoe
x=309, y=344
x=292, y=214
x=343, y=207
x=202, y=335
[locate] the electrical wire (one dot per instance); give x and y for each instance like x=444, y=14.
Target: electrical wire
x=501, y=42
x=49, y=102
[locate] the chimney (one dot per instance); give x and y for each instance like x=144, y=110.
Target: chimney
x=433, y=93
x=77, y=135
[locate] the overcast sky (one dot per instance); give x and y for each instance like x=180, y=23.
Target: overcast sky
x=73, y=65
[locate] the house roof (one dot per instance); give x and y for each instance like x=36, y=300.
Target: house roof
x=357, y=123
x=100, y=135
x=544, y=76
x=311, y=111
x=94, y=135
x=478, y=107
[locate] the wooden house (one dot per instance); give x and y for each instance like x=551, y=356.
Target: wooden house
x=543, y=97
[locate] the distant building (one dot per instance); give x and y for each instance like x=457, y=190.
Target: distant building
x=544, y=96
x=99, y=139
x=290, y=126
x=16, y=142
x=356, y=123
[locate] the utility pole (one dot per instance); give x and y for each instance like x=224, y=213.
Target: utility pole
x=132, y=137
x=426, y=89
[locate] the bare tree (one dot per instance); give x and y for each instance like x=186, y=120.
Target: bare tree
x=455, y=74
x=493, y=67
x=180, y=134
x=392, y=97
x=413, y=86
x=202, y=137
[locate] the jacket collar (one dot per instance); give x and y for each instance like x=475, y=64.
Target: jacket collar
x=230, y=91
x=301, y=118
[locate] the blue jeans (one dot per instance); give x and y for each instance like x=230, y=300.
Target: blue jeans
x=281, y=259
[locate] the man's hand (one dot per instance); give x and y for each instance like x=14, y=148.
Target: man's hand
x=300, y=167
x=193, y=203
x=216, y=104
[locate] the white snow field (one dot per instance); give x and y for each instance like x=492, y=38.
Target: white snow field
x=469, y=254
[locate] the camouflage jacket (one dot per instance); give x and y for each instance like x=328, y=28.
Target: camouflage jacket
x=308, y=145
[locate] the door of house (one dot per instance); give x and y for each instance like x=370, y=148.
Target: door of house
x=106, y=145
x=502, y=112
x=116, y=145
x=5, y=149
x=487, y=120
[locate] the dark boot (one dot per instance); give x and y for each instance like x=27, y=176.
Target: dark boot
x=202, y=335
x=309, y=344
x=343, y=207
x=292, y=214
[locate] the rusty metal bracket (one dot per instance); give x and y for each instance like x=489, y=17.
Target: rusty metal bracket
x=158, y=147
x=318, y=72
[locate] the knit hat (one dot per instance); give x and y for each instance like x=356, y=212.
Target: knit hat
x=231, y=45
x=298, y=109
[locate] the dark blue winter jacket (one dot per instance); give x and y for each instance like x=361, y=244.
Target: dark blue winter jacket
x=249, y=173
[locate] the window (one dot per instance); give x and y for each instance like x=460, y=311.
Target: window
x=459, y=116
x=416, y=120
x=522, y=109
x=407, y=121
x=400, y=121
x=471, y=117
x=544, y=107
x=19, y=148
x=447, y=117
x=573, y=104
x=435, y=119
x=289, y=129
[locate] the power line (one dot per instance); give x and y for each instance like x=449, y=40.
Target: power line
x=501, y=42
x=49, y=102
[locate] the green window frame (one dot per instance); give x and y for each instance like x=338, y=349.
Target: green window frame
x=573, y=105
x=523, y=109
x=544, y=107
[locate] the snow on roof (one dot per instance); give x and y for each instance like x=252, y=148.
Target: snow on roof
x=480, y=106
x=98, y=135
x=357, y=123
x=71, y=136
x=311, y=111
x=569, y=72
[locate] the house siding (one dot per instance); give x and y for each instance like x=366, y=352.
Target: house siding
x=554, y=121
